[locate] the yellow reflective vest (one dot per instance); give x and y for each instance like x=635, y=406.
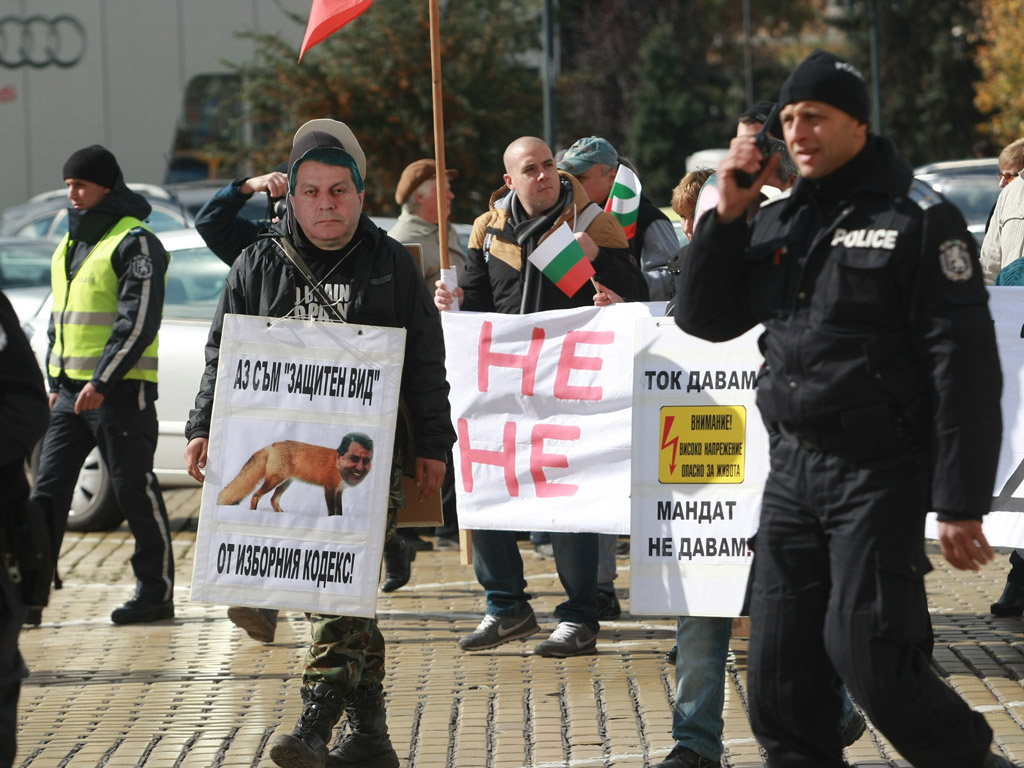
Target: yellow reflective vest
x=85, y=308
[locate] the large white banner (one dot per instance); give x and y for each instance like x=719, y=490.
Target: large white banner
x=700, y=459
x=295, y=500
x=542, y=404
x=535, y=453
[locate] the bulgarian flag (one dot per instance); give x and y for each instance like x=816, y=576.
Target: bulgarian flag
x=624, y=200
x=562, y=260
x=328, y=16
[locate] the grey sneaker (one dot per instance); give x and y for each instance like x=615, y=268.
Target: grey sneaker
x=568, y=639
x=495, y=630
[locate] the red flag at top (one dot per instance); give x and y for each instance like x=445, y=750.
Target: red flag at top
x=328, y=16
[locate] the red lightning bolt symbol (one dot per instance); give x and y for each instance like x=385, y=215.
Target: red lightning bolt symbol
x=674, y=442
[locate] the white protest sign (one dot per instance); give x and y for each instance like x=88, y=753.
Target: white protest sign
x=294, y=505
x=541, y=405
x=700, y=459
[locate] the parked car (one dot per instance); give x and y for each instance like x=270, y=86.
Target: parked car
x=971, y=185
x=45, y=216
x=195, y=281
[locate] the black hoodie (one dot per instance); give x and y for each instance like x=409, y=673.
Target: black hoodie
x=140, y=263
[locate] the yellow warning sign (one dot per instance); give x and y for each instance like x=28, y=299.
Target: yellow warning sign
x=702, y=444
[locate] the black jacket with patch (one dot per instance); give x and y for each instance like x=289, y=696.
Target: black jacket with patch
x=875, y=315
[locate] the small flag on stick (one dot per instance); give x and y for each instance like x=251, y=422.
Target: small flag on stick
x=328, y=16
x=624, y=200
x=562, y=260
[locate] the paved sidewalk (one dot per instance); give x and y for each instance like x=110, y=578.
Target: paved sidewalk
x=197, y=692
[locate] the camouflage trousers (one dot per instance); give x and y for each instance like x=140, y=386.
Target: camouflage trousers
x=348, y=651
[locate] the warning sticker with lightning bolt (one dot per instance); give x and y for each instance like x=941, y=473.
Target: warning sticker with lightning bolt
x=702, y=444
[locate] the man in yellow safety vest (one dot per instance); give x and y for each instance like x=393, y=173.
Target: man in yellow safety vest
x=108, y=276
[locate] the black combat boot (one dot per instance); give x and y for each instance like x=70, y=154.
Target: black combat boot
x=398, y=557
x=366, y=745
x=306, y=746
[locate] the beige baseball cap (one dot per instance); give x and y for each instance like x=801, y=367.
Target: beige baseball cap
x=324, y=132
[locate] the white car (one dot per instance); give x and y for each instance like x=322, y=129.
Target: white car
x=971, y=185
x=195, y=281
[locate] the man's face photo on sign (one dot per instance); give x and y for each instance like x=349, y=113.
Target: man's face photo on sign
x=354, y=460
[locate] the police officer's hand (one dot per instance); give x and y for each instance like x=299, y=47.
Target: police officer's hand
x=429, y=476
x=88, y=399
x=195, y=457
x=52, y=399
x=443, y=298
x=964, y=545
x=744, y=155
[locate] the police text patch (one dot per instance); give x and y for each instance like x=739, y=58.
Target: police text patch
x=142, y=267
x=955, y=259
x=866, y=238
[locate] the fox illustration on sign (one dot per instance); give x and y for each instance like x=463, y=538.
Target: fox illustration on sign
x=275, y=467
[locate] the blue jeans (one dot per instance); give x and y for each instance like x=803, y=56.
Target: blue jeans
x=499, y=569
x=702, y=645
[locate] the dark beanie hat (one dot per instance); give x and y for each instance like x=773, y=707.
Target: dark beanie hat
x=823, y=76
x=96, y=164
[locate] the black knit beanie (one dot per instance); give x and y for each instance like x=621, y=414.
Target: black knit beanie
x=823, y=76
x=96, y=164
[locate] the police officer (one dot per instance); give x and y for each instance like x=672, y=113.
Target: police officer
x=108, y=294
x=880, y=389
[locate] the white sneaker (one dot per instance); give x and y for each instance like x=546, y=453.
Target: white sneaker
x=495, y=630
x=568, y=639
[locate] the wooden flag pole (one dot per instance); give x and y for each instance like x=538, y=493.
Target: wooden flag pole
x=465, y=537
x=436, y=95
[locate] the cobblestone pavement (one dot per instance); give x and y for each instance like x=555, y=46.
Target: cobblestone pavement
x=196, y=691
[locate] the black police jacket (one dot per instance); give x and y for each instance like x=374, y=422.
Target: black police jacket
x=387, y=290
x=877, y=330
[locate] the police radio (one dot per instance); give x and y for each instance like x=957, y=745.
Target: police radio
x=744, y=179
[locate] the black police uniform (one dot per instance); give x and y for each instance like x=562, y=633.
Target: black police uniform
x=880, y=389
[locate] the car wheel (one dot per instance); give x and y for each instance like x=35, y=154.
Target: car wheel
x=93, y=505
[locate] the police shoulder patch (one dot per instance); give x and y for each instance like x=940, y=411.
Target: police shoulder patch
x=955, y=260
x=142, y=266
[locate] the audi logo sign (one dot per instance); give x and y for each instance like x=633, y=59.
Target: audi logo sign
x=38, y=41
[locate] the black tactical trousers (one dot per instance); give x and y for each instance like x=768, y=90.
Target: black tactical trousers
x=125, y=428
x=838, y=596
